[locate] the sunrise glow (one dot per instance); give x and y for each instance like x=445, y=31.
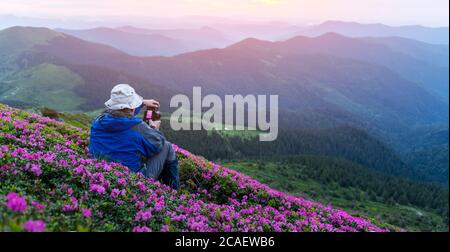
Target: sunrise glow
x=386, y=11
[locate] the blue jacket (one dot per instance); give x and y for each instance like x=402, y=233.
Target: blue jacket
x=124, y=138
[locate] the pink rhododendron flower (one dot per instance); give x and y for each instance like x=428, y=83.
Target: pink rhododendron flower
x=38, y=206
x=72, y=206
x=36, y=169
x=143, y=215
x=86, y=212
x=97, y=189
x=34, y=226
x=165, y=228
x=121, y=182
x=140, y=204
x=15, y=202
x=141, y=229
x=115, y=193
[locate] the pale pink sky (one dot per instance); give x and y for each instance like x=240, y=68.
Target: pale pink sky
x=396, y=12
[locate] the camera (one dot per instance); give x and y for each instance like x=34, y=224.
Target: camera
x=151, y=115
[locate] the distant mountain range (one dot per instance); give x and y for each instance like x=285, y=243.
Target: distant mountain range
x=360, y=76
x=169, y=42
x=133, y=44
x=433, y=35
x=201, y=38
x=387, y=86
x=145, y=42
x=418, y=62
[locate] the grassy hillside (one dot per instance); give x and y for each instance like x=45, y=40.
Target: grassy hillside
x=342, y=142
x=348, y=186
x=24, y=83
x=19, y=39
x=49, y=183
x=406, y=204
x=45, y=85
x=426, y=150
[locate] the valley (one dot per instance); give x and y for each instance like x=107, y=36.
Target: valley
x=363, y=119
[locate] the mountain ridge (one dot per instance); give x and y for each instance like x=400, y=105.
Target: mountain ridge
x=307, y=79
x=131, y=43
x=434, y=35
x=263, y=60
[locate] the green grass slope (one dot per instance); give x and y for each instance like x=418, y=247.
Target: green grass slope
x=49, y=183
x=24, y=82
x=349, y=186
x=330, y=180
x=45, y=85
x=16, y=40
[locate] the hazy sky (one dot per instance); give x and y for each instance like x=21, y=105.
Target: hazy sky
x=395, y=12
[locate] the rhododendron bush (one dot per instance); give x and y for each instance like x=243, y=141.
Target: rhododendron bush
x=48, y=182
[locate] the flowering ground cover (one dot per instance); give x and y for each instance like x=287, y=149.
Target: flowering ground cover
x=48, y=182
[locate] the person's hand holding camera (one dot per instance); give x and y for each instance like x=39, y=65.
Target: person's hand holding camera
x=151, y=104
x=152, y=117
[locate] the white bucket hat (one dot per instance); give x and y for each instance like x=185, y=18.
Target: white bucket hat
x=123, y=96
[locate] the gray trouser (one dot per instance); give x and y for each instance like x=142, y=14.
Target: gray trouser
x=155, y=165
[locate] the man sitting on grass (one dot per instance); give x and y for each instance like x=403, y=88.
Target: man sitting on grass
x=117, y=135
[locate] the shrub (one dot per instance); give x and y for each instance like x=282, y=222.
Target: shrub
x=50, y=183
